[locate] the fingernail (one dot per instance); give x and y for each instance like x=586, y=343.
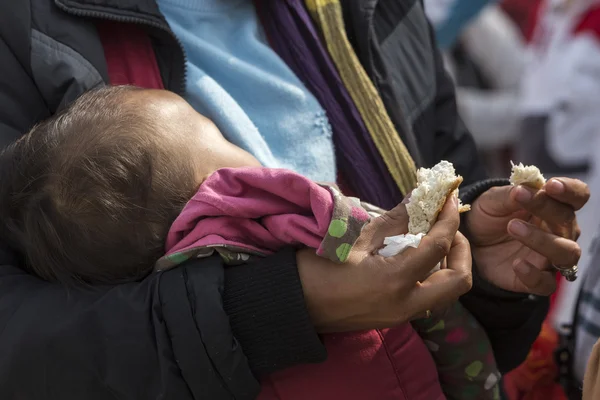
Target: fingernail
x=523, y=195
x=518, y=228
x=555, y=186
x=523, y=268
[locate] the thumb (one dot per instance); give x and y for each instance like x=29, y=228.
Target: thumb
x=391, y=223
x=498, y=202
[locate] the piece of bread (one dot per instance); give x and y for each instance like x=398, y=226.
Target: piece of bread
x=434, y=185
x=529, y=175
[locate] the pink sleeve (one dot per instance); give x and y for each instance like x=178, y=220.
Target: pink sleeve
x=257, y=209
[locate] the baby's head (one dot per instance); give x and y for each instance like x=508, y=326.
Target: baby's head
x=90, y=194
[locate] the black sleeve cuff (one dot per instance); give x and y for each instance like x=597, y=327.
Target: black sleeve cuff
x=470, y=193
x=511, y=320
x=268, y=315
x=512, y=325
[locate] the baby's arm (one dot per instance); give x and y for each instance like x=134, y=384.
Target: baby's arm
x=347, y=220
x=462, y=353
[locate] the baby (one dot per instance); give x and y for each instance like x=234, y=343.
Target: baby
x=125, y=181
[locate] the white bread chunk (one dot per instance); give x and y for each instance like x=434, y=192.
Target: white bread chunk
x=427, y=200
x=529, y=175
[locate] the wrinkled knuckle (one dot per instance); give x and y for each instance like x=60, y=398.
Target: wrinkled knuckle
x=454, y=222
x=442, y=245
x=391, y=218
x=398, y=211
x=383, y=219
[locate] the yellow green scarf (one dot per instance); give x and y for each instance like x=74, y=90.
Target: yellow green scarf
x=328, y=17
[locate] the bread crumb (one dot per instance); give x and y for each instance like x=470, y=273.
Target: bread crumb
x=529, y=175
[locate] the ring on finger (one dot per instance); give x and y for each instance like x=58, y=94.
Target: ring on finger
x=570, y=274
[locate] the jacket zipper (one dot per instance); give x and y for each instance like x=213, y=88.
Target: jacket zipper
x=135, y=20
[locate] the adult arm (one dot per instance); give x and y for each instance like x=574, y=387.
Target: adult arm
x=179, y=334
x=199, y=331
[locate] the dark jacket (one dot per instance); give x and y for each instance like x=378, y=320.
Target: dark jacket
x=180, y=334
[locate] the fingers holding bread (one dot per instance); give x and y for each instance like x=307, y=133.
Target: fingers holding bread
x=554, y=201
x=572, y=192
x=433, y=219
x=543, y=206
x=560, y=251
x=391, y=223
x=448, y=284
x=434, y=187
x=437, y=244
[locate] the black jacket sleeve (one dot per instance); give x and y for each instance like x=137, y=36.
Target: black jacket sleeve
x=199, y=331
x=511, y=320
x=166, y=337
x=453, y=142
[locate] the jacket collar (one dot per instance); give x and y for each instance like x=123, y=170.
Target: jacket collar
x=135, y=9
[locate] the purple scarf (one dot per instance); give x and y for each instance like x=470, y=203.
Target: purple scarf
x=294, y=38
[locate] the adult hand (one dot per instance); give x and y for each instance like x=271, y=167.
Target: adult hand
x=370, y=291
x=517, y=233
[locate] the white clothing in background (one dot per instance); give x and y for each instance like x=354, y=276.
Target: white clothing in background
x=562, y=80
x=496, y=46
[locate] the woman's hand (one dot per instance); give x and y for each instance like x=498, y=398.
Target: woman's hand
x=370, y=291
x=518, y=233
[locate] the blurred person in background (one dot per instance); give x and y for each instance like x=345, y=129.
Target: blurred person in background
x=580, y=312
x=449, y=18
x=523, y=13
x=560, y=100
x=484, y=53
x=540, y=93
x=495, y=45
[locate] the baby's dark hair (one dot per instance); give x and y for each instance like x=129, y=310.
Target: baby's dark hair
x=89, y=195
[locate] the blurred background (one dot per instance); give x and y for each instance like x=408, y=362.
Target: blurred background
x=528, y=87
